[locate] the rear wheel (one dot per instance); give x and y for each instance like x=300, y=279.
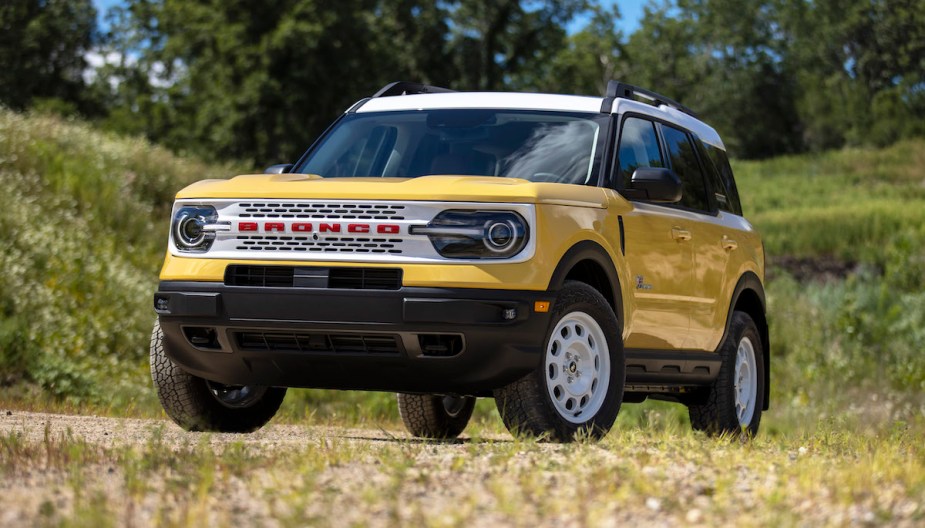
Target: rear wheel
x=578, y=387
x=734, y=401
x=433, y=416
x=196, y=404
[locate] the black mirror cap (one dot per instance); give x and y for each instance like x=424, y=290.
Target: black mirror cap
x=281, y=168
x=656, y=184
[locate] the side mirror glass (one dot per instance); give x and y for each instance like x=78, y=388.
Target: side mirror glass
x=655, y=184
x=281, y=168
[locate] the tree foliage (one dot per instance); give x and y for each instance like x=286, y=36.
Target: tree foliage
x=42, y=48
x=258, y=81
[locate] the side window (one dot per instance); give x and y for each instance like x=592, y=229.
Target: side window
x=721, y=162
x=638, y=148
x=685, y=164
x=716, y=181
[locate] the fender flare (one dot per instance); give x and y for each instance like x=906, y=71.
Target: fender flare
x=749, y=281
x=594, y=252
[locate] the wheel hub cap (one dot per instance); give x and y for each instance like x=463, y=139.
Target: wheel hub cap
x=745, y=382
x=577, y=367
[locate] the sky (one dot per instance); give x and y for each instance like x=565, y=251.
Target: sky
x=630, y=9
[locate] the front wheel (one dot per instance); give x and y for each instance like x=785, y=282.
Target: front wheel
x=196, y=404
x=734, y=401
x=577, y=388
x=434, y=416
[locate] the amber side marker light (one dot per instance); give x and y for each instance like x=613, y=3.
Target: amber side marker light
x=541, y=306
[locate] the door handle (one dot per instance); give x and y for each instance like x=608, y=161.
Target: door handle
x=729, y=244
x=680, y=234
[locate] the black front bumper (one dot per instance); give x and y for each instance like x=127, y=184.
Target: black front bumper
x=408, y=340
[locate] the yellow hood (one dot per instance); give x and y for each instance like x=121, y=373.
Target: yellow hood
x=424, y=188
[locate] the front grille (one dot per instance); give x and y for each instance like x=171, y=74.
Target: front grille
x=263, y=276
x=319, y=343
x=329, y=211
x=365, y=278
x=313, y=277
x=318, y=245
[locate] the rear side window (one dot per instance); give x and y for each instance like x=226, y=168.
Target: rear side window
x=717, y=163
x=685, y=164
x=638, y=148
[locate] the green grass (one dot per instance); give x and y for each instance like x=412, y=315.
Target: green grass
x=656, y=474
x=848, y=204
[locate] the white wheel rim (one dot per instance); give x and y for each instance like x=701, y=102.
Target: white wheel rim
x=746, y=382
x=577, y=367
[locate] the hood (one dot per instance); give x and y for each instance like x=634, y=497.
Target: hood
x=424, y=188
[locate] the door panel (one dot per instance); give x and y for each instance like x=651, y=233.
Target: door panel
x=660, y=266
x=722, y=251
x=709, y=270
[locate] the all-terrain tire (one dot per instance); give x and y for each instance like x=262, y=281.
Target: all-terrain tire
x=721, y=412
x=433, y=416
x=584, y=340
x=199, y=405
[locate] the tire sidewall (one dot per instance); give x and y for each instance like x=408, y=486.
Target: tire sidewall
x=190, y=403
x=745, y=327
x=579, y=297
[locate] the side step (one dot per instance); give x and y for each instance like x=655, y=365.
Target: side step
x=671, y=367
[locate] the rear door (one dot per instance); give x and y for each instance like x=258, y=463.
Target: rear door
x=709, y=239
x=729, y=238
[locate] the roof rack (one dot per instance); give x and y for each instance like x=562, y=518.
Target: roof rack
x=619, y=90
x=409, y=88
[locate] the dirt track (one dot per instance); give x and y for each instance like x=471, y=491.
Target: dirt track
x=84, y=470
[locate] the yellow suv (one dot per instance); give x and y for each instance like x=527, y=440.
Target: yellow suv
x=562, y=254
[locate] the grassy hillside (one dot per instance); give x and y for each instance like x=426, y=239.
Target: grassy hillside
x=851, y=204
x=84, y=228
x=83, y=225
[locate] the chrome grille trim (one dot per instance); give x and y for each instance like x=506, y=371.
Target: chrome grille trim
x=325, y=245
x=339, y=246
x=321, y=210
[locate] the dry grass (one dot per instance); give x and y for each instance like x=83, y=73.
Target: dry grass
x=66, y=470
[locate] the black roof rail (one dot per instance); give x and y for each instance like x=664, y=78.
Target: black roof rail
x=619, y=90
x=409, y=88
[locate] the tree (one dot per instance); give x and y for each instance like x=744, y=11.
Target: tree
x=591, y=57
x=506, y=44
x=259, y=81
x=723, y=59
x=42, y=48
x=861, y=69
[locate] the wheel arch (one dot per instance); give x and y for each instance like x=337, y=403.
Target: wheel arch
x=590, y=263
x=748, y=297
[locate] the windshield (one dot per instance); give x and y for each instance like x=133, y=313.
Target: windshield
x=536, y=146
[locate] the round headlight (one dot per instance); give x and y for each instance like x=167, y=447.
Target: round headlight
x=189, y=233
x=500, y=236
x=476, y=234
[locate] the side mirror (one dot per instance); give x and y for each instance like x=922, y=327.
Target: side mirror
x=655, y=184
x=282, y=168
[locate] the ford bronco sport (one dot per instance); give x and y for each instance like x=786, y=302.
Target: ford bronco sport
x=562, y=254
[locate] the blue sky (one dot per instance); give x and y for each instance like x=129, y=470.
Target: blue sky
x=630, y=9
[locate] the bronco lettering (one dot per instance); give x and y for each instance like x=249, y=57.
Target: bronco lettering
x=308, y=227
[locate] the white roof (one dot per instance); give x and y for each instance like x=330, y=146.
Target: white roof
x=515, y=101
x=535, y=101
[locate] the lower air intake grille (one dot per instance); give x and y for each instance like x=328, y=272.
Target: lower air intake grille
x=313, y=277
x=264, y=276
x=321, y=343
